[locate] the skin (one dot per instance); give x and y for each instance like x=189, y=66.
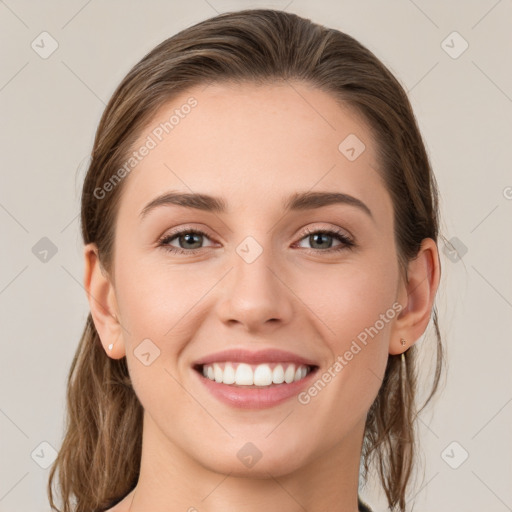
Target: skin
x=255, y=146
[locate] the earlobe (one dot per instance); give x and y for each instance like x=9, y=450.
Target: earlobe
x=418, y=295
x=102, y=303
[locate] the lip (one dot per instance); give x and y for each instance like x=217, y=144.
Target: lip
x=253, y=397
x=244, y=397
x=254, y=357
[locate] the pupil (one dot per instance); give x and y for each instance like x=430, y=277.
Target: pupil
x=321, y=235
x=189, y=238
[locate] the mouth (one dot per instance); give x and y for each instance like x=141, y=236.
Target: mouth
x=254, y=386
x=254, y=380
x=251, y=376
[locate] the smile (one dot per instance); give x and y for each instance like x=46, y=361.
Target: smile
x=255, y=375
x=245, y=379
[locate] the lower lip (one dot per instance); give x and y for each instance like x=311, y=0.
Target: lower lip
x=245, y=397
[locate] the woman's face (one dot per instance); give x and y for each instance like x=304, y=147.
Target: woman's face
x=260, y=278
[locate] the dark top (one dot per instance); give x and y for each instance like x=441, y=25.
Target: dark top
x=362, y=506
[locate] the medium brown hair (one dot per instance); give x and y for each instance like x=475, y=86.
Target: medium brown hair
x=99, y=461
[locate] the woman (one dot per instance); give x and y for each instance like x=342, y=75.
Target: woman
x=259, y=366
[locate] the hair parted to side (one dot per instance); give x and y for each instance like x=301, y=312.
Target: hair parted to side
x=99, y=461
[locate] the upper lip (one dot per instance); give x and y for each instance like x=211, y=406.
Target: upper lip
x=254, y=357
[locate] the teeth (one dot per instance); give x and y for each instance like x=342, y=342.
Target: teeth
x=289, y=374
x=243, y=374
x=217, y=372
x=278, y=375
x=228, y=376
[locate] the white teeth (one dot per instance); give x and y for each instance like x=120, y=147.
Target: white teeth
x=289, y=374
x=278, y=375
x=263, y=375
x=217, y=372
x=243, y=374
x=228, y=377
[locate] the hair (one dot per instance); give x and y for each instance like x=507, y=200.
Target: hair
x=99, y=460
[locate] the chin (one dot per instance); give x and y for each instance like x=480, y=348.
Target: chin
x=253, y=460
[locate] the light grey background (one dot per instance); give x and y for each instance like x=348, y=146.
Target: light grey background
x=50, y=109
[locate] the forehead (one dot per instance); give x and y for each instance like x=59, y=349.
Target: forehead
x=255, y=144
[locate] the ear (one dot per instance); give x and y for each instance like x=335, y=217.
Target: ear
x=102, y=303
x=417, y=295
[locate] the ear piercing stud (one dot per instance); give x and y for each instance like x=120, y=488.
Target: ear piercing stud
x=111, y=346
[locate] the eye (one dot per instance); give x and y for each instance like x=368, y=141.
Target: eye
x=323, y=238
x=190, y=241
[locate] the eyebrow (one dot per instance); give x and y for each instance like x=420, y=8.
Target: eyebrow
x=299, y=201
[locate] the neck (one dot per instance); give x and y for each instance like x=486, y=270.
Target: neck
x=172, y=480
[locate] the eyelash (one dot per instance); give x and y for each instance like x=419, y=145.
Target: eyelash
x=347, y=243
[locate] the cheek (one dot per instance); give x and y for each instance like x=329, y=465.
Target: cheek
x=351, y=301
x=156, y=309
x=154, y=299
x=355, y=306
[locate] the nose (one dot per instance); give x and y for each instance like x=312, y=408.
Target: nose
x=255, y=295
